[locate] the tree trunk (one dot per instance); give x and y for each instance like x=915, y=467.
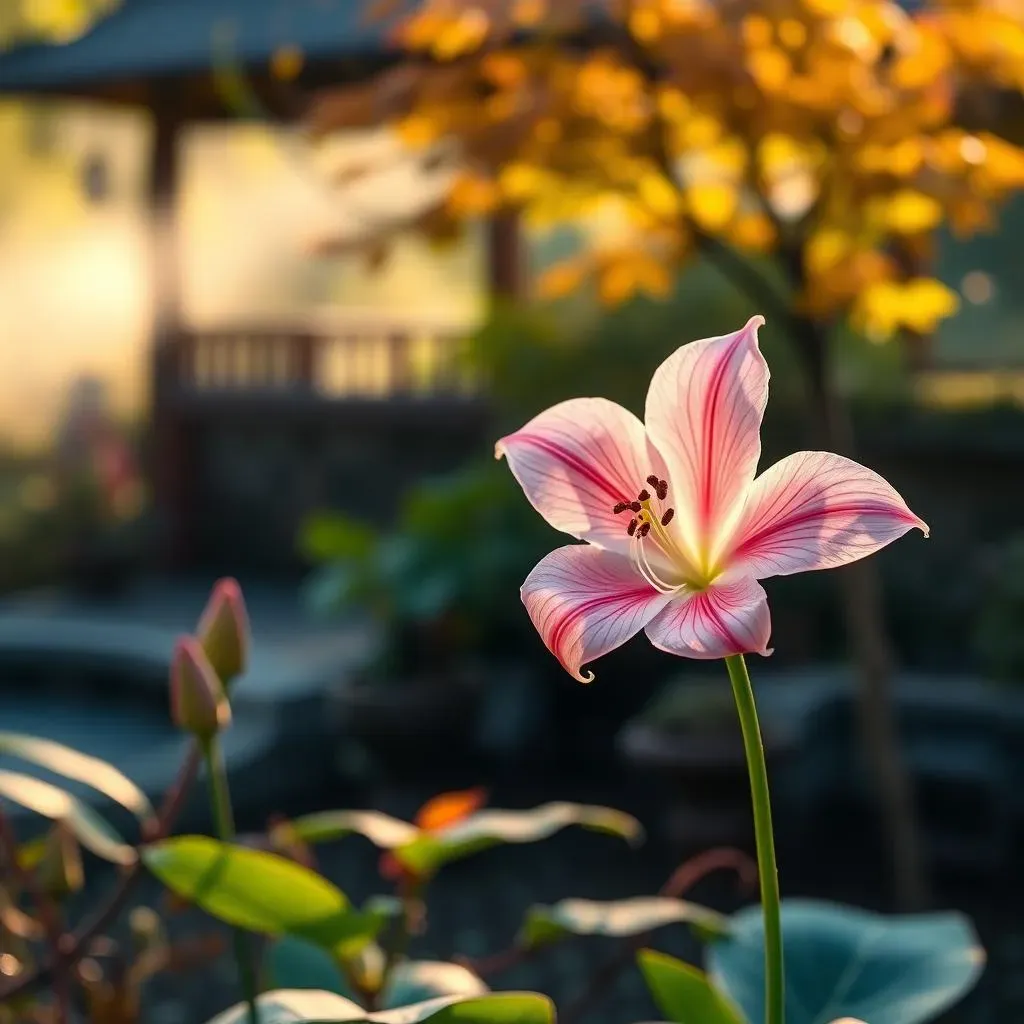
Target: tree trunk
x=861, y=594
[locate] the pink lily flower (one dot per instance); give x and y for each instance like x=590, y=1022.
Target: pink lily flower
x=678, y=531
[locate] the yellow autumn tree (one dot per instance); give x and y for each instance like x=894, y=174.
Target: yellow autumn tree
x=50, y=21
x=809, y=148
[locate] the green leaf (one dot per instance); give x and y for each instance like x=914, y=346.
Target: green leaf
x=260, y=892
x=381, y=829
x=616, y=919
x=298, y=1007
x=413, y=981
x=53, y=803
x=91, y=771
x=845, y=962
x=430, y=850
x=330, y=536
x=683, y=993
x=296, y=964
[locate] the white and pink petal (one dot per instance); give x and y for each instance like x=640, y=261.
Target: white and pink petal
x=576, y=461
x=585, y=602
x=703, y=413
x=816, y=510
x=729, y=617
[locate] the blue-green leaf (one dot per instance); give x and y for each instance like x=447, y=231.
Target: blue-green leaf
x=414, y=981
x=617, y=919
x=260, y=892
x=301, y=1007
x=49, y=801
x=683, y=993
x=91, y=771
x=845, y=962
x=296, y=964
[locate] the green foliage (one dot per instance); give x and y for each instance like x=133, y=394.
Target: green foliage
x=54, y=803
x=618, y=919
x=294, y=963
x=260, y=892
x=438, y=583
x=844, y=962
x=296, y=1007
x=71, y=764
x=424, y=852
x=415, y=981
x=683, y=993
x=332, y=961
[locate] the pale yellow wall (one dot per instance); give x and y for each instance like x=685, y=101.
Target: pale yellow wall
x=75, y=288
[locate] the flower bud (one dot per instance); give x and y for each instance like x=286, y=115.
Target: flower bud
x=198, y=703
x=224, y=631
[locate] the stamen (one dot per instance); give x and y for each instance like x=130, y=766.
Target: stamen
x=645, y=528
x=644, y=495
x=631, y=529
x=644, y=567
x=635, y=506
x=620, y=507
x=654, y=481
x=662, y=489
x=667, y=517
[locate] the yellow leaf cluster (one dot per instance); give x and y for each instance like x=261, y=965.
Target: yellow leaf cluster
x=885, y=307
x=837, y=128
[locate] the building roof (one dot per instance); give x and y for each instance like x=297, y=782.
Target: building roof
x=170, y=38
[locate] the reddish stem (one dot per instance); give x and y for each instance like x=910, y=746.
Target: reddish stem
x=77, y=944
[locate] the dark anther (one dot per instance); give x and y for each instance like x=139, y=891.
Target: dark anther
x=620, y=506
x=635, y=506
x=645, y=528
x=667, y=517
x=631, y=529
x=644, y=495
x=653, y=481
x=662, y=489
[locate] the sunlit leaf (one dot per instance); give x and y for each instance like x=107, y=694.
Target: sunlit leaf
x=297, y=1007
x=381, y=829
x=617, y=918
x=712, y=204
x=91, y=771
x=685, y=994
x=562, y=278
x=45, y=799
x=413, y=981
x=428, y=852
x=260, y=892
x=447, y=809
x=845, y=962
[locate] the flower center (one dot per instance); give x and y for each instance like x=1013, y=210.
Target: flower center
x=653, y=551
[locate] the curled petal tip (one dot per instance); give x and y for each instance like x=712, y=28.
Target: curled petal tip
x=924, y=528
x=755, y=322
x=499, y=449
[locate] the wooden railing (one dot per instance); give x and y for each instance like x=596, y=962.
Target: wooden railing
x=375, y=360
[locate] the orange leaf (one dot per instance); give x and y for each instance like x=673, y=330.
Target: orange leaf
x=561, y=279
x=448, y=809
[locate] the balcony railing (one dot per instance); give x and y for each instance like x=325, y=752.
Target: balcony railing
x=365, y=361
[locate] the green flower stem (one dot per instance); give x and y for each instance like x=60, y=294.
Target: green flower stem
x=224, y=822
x=774, y=980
